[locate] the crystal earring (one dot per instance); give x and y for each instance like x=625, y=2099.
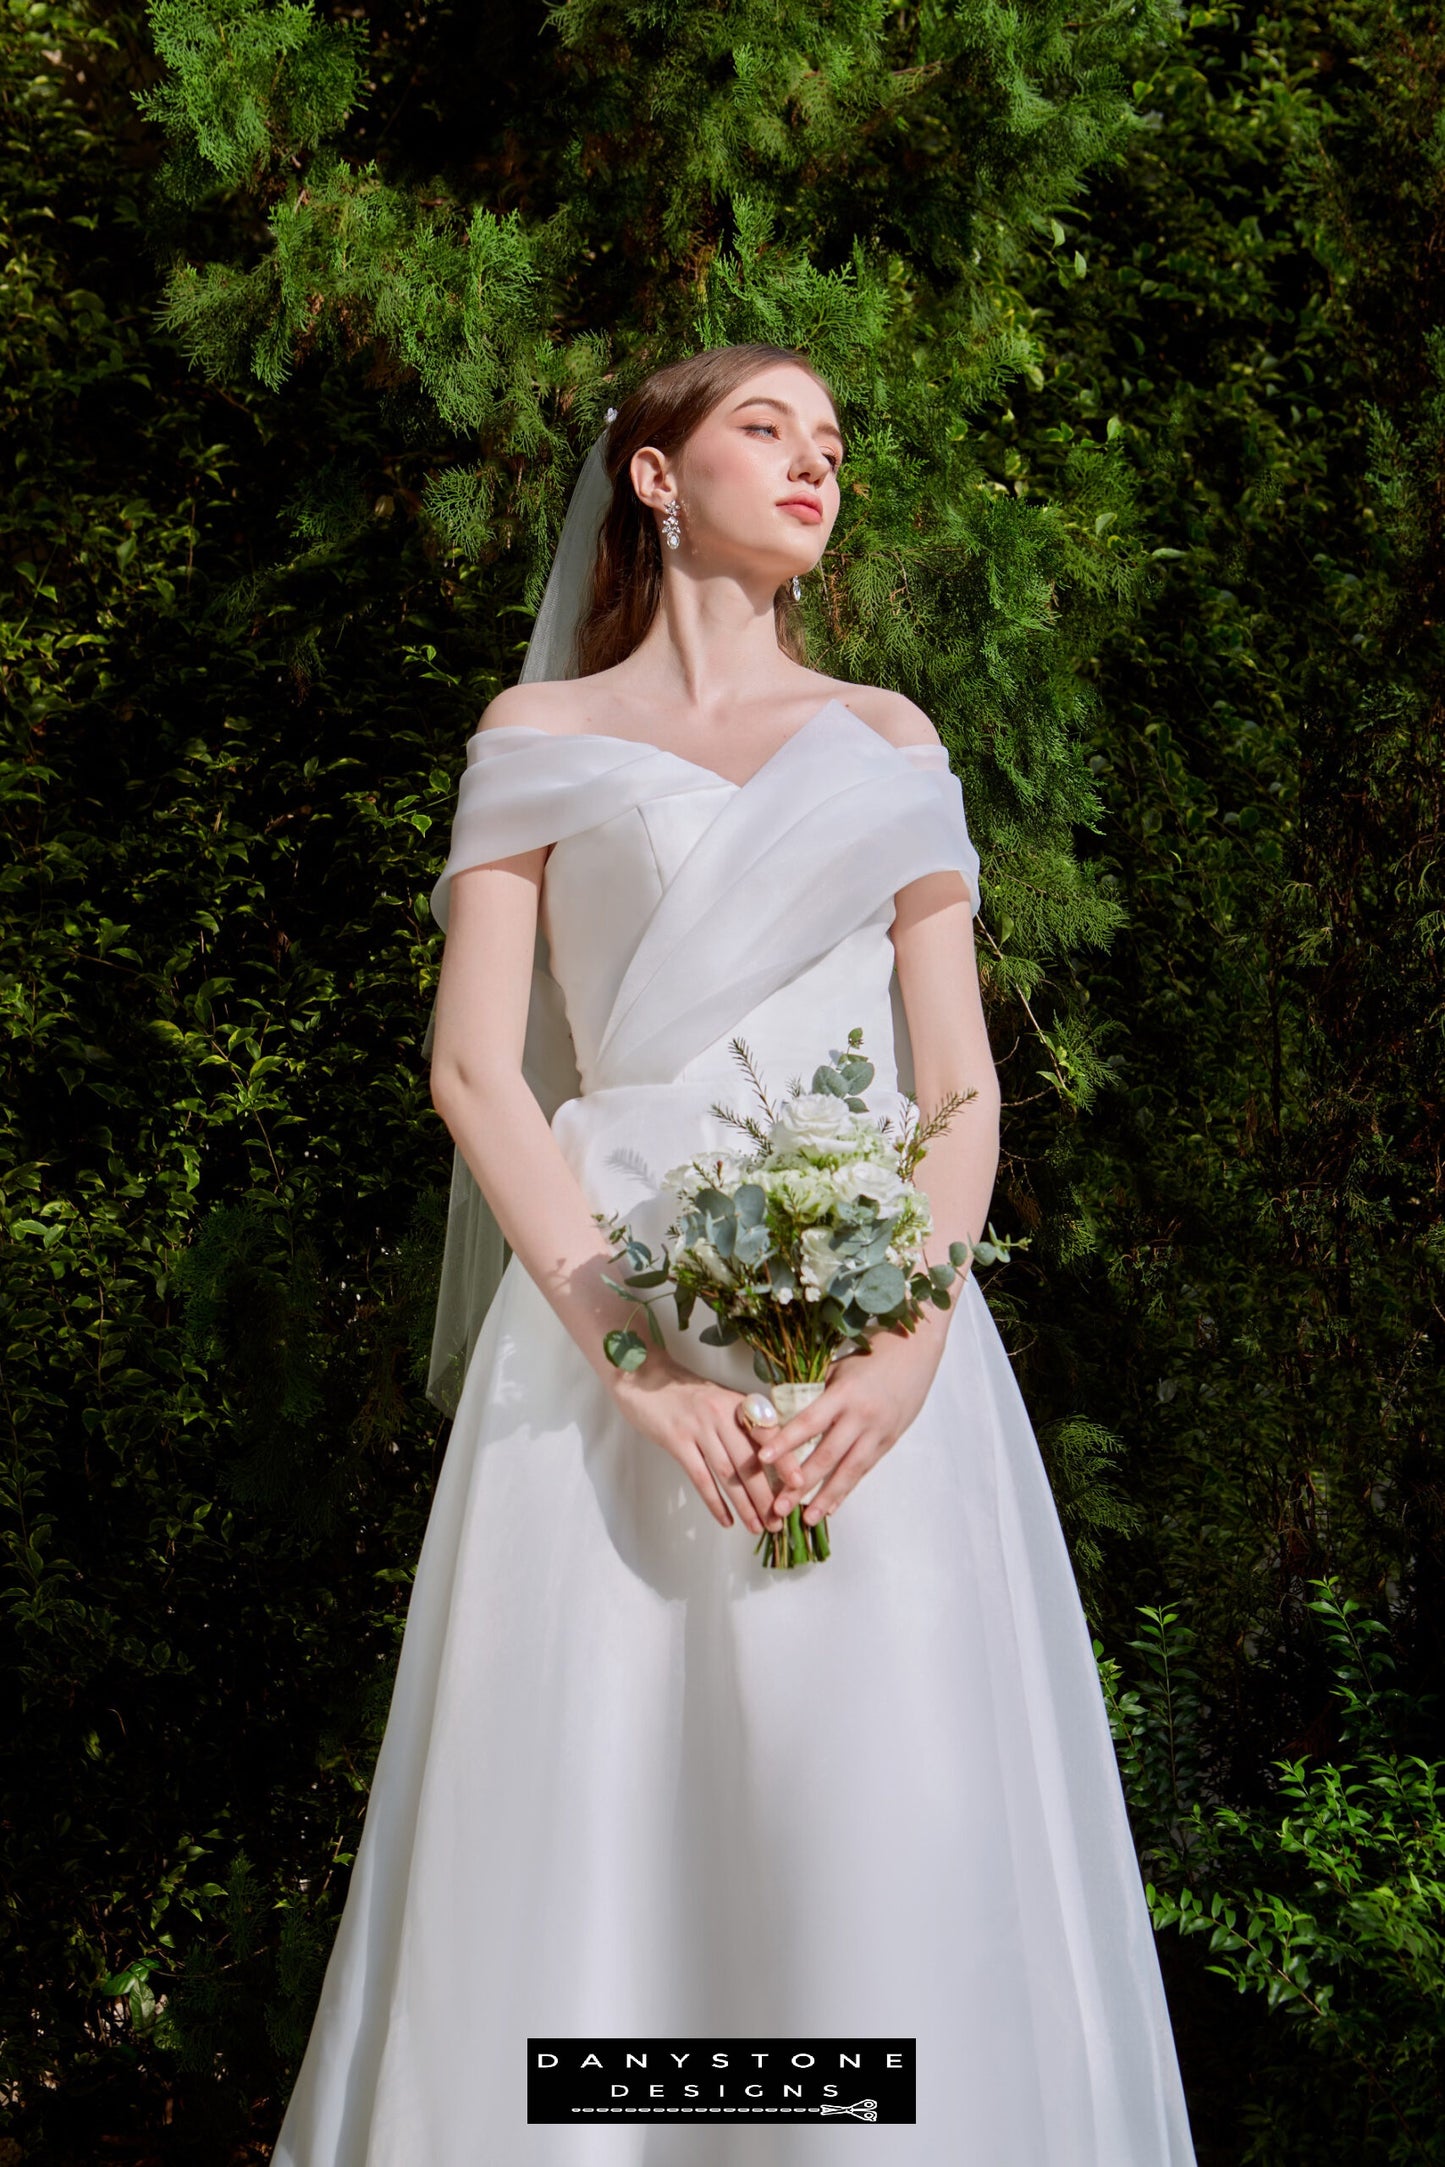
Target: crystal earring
x=671, y=525
x=797, y=588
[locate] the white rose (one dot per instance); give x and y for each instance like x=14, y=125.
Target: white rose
x=722, y=1170
x=865, y=1177
x=817, y=1121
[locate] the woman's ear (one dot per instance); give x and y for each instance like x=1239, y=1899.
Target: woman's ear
x=651, y=481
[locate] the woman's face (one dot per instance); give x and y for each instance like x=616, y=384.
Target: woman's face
x=756, y=483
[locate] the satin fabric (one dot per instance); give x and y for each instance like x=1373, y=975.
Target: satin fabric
x=632, y=1781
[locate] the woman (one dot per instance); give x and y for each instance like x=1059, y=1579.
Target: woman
x=634, y=1784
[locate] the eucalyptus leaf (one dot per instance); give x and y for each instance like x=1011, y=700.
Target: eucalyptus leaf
x=624, y=1349
x=881, y=1288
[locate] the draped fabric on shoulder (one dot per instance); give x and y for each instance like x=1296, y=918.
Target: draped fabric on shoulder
x=835, y=823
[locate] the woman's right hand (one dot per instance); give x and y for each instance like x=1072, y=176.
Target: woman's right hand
x=696, y=1421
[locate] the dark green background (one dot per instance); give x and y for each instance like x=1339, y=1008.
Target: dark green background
x=1134, y=321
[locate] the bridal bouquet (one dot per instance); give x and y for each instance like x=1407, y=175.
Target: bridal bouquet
x=809, y=1243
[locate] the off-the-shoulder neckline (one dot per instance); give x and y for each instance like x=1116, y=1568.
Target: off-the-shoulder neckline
x=641, y=745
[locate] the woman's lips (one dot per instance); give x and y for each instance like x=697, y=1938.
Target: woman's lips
x=813, y=513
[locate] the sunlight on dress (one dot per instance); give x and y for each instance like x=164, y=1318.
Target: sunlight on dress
x=635, y=1783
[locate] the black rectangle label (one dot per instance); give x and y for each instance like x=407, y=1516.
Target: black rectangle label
x=721, y=2080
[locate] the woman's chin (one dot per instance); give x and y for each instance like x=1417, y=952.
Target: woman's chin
x=771, y=566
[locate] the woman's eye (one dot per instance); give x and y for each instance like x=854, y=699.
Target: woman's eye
x=770, y=428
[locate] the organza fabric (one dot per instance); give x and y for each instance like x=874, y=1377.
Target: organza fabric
x=635, y=1783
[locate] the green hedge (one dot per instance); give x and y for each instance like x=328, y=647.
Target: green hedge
x=1133, y=324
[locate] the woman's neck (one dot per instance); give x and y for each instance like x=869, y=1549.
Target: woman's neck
x=713, y=645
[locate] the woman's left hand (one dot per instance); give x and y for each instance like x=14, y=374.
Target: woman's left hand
x=869, y=1401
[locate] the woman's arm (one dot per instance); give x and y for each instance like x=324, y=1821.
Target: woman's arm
x=478, y=1088
x=933, y=947
x=938, y=979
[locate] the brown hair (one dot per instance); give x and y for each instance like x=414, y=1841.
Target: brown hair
x=627, y=571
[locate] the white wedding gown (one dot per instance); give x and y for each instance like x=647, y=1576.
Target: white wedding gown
x=633, y=1782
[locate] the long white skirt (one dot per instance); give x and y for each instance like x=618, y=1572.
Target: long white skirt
x=636, y=1783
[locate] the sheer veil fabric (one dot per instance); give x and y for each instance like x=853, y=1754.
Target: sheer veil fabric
x=634, y=1784
x=476, y=1250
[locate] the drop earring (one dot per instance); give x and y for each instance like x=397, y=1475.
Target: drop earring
x=797, y=588
x=671, y=525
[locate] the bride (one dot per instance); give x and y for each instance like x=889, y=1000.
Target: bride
x=634, y=1786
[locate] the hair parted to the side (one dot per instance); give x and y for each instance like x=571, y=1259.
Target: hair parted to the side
x=663, y=411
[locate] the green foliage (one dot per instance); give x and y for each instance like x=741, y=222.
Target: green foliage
x=936, y=569
x=1084, y=1461
x=249, y=88
x=1346, y=1938
x=217, y=1456
x=1133, y=326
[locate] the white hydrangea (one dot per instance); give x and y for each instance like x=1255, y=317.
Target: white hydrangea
x=915, y=1219
x=809, y=1192
x=911, y=1227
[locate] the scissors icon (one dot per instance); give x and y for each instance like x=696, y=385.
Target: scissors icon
x=865, y=2109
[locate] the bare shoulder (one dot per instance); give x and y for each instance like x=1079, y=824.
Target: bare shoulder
x=544, y=705
x=892, y=714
